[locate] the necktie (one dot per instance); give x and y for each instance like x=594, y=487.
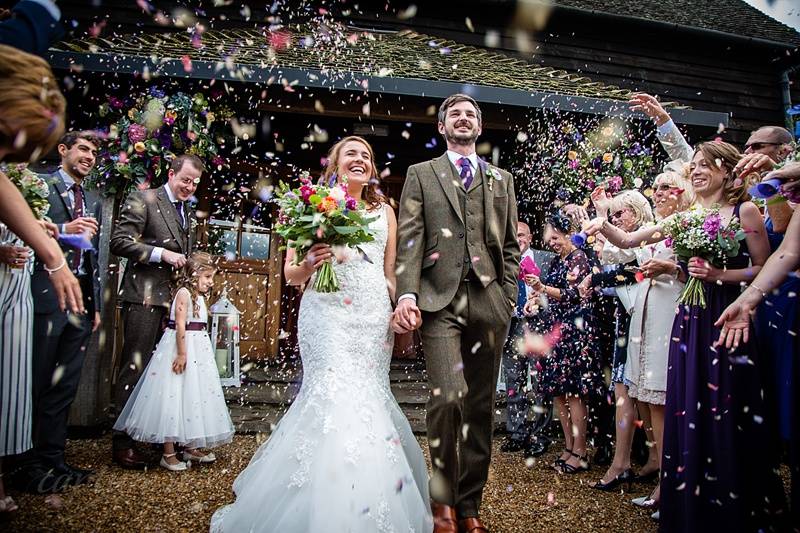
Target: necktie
x=466, y=172
x=77, y=212
x=179, y=209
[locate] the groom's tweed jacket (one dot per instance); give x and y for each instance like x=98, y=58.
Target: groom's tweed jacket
x=439, y=237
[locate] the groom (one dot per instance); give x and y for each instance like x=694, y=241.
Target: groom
x=457, y=263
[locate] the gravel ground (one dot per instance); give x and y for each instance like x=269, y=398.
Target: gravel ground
x=518, y=498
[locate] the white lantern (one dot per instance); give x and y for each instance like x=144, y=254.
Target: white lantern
x=225, y=339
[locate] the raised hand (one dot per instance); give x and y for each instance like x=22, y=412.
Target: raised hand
x=594, y=226
x=85, y=225
x=754, y=162
x=601, y=201
x=650, y=106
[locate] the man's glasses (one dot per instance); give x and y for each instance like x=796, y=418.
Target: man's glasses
x=759, y=146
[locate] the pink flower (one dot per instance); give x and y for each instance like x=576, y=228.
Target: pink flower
x=306, y=192
x=615, y=183
x=136, y=133
x=574, y=164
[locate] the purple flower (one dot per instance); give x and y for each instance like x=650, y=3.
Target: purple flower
x=115, y=102
x=351, y=203
x=668, y=242
x=574, y=164
x=136, y=133
x=156, y=92
x=615, y=183
x=712, y=225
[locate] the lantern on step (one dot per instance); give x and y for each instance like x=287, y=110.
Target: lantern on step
x=225, y=339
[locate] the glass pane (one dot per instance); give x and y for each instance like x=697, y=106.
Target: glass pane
x=222, y=241
x=223, y=347
x=255, y=245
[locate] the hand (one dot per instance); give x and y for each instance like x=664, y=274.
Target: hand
x=175, y=259
x=577, y=213
x=68, y=289
x=653, y=268
x=179, y=364
x=601, y=201
x=789, y=174
x=648, y=105
x=735, y=323
x=96, y=322
x=407, y=316
x=531, y=307
x=754, y=162
x=317, y=255
x=701, y=269
x=585, y=287
x=49, y=227
x=533, y=281
x=593, y=226
x=14, y=256
x=85, y=225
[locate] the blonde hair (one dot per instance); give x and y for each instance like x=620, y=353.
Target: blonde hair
x=372, y=195
x=197, y=262
x=677, y=179
x=637, y=203
x=31, y=106
x=724, y=156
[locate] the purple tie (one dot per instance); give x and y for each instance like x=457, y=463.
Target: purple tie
x=466, y=172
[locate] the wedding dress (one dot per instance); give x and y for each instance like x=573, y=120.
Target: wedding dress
x=343, y=458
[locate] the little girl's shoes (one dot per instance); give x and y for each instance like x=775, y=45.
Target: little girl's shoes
x=195, y=455
x=177, y=467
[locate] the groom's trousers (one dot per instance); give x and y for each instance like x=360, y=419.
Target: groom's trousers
x=463, y=345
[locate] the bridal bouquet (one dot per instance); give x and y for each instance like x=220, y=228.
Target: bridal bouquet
x=312, y=214
x=699, y=233
x=33, y=187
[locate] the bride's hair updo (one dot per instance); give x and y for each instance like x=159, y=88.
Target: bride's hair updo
x=372, y=194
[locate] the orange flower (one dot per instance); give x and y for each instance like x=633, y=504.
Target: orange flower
x=608, y=157
x=327, y=205
x=572, y=155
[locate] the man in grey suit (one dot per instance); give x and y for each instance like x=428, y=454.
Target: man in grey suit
x=458, y=260
x=60, y=338
x=155, y=233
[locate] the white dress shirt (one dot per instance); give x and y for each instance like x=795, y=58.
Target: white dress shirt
x=155, y=255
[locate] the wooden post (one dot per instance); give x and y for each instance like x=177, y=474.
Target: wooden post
x=94, y=392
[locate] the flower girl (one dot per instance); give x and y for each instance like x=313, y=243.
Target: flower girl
x=179, y=399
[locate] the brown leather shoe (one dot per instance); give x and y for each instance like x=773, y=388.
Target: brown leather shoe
x=129, y=458
x=444, y=518
x=471, y=525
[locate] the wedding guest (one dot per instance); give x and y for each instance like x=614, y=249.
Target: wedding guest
x=16, y=322
x=735, y=322
x=155, y=234
x=179, y=399
x=32, y=108
x=59, y=338
x=519, y=369
x=715, y=472
x=32, y=27
x=570, y=373
x=629, y=210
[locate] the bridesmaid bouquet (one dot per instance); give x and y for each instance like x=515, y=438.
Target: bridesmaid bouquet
x=33, y=187
x=699, y=232
x=312, y=214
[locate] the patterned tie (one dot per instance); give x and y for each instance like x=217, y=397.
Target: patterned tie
x=179, y=209
x=77, y=212
x=466, y=172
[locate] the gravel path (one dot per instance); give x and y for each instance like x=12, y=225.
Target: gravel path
x=519, y=498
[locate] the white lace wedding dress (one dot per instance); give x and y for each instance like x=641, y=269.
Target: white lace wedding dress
x=343, y=458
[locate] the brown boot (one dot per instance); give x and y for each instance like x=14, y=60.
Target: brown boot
x=471, y=525
x=444, y=518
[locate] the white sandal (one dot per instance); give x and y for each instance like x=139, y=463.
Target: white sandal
x=180, y=467
x=207, y=458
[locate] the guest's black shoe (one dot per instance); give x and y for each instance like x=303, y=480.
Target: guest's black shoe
x=78, y=476
x=603, y=455
x=512, y=445
x=536, y=448
x=626, y=477
x=38, y=480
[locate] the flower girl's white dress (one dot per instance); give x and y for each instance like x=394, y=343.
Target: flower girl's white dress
x=343, y=458
x=187, y=408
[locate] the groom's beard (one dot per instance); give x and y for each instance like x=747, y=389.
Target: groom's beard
x=461, y=139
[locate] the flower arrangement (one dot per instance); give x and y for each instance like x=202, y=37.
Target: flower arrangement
x=32, y=186
x=699, y=232
x=566, y=158
x=314, y=214
x=147, y=131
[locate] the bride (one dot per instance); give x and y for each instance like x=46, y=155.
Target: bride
x=343, y=458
